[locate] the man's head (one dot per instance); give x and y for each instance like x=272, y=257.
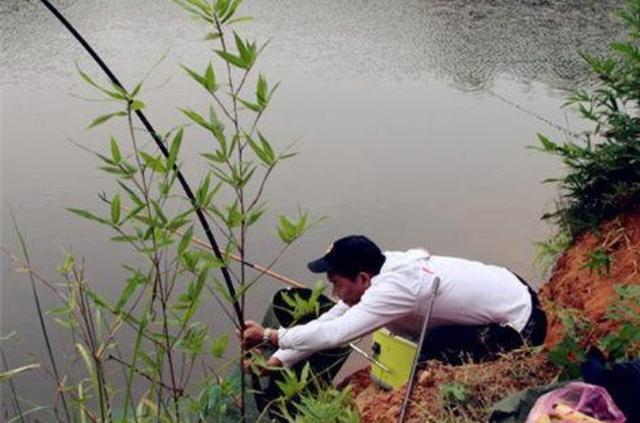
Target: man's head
x=350, y=263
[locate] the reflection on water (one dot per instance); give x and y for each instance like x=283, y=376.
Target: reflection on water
x=467, y=42
x=406, y=111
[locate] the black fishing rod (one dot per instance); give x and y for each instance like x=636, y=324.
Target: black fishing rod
x=159, y=143
x=181, y=179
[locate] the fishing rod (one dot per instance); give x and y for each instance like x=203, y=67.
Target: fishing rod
x=163, y=149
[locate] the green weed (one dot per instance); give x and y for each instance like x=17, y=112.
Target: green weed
x=603, y=176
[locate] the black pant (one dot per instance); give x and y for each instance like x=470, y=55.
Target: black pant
x=460, y=344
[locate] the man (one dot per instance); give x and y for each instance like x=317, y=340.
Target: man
x=479, y=311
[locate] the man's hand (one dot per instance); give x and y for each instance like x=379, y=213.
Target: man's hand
x=260, y=367
x=252, y=335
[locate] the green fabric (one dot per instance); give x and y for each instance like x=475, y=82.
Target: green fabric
x=516, y=408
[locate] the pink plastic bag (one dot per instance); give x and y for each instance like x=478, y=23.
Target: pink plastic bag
x=589, y=401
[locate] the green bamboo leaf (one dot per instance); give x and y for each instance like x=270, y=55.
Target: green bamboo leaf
x=221, y=7
x=240, y=19
x=212, y=262
x=217, y=157
x=137, y=105
x=159, y=213
x=175, y=148
x=202, y=278
x=285, y=229
x=254, y=216
x=115, y=151
x=197, y=118
x=202, y=5
x=136, y=90
x=273, y=90
x=244, y=180
x=67, y=265
x=222, y=290
x=210, y=79
x=98, y=299
x=154, y=163
x=231, y=10
x=290, y=230
x=219, y=345
x=112, y=94
x=262, y=91
x=120, y=90
x=198, y=8
x=193, y=74
x=129, y=169
x=212, y=36
x=100, y=120
x=232, y=59
x=251, y=106
x=87, y=78
x=106, y=159
x=547, y=144
x=203, y=191
x=287, y=155
x=242, y=47
x=258, y=151
x=132, y=284
x=115, y=209
x=177, y=223
x=185, y=241
x=306, y=371
x=132, y=195
x=88, y=215
x=115, y=171
x=165, y=185
x=212, y=193
x=266, y=147
x=234, y=217
x=217, y=128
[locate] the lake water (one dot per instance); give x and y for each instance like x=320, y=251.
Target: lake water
x=411, y=118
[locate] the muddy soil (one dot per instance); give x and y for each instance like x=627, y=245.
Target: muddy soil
x=574, y=285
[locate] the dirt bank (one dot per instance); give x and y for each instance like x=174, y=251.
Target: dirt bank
x=574, y=285
x=450, y=394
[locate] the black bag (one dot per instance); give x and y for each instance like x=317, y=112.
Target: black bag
x=621, y=380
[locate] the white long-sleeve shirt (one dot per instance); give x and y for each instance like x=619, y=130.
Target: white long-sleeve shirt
x=470, y=293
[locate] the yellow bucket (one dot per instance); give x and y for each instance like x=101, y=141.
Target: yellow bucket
x=396, y=354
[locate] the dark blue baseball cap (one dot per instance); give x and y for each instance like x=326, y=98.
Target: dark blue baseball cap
x=348, y=256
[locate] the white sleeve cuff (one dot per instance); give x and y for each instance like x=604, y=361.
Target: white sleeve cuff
x=290, y=357
x=282, y=345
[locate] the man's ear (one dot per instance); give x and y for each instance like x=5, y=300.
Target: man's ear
x=364, y=278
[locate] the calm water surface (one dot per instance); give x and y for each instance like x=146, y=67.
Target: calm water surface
x=411, y=118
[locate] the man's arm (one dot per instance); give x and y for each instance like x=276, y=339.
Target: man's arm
x=390, y=298
x=384, y=302
x=289, y=357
